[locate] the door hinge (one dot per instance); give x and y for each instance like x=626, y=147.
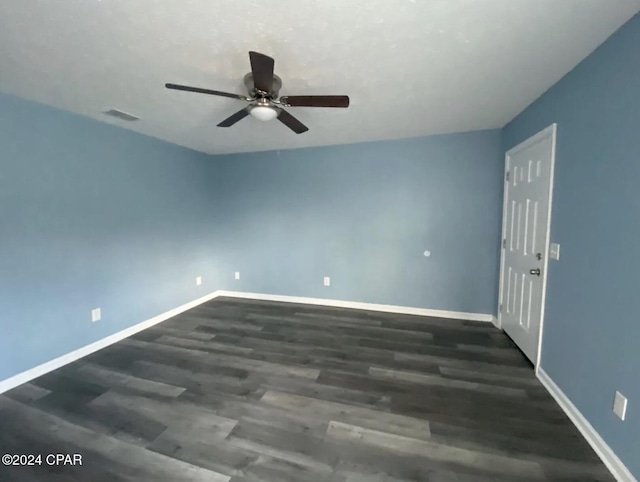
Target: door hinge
x=504, y=243
x=500, y=309
x=508, y=175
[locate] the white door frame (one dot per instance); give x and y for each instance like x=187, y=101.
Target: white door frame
x=550, y=131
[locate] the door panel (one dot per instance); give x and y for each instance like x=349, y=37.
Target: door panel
x=526, y=238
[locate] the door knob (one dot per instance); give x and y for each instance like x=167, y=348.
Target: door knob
x=535, y=272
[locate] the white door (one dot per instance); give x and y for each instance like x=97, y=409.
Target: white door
x=525, y=235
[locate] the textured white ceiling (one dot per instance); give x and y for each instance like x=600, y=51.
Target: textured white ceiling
x=411, y=67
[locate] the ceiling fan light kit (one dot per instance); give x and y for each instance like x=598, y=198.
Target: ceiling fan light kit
x=264, y=88
x=263, y=112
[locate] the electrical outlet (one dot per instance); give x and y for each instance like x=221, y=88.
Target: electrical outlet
x=327, y=281
x=237, y=275
x=198, y=280
x=96, y=315
x=620, y=405
x=554, y=251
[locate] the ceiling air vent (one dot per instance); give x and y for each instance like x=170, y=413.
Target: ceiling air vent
x=121, y=115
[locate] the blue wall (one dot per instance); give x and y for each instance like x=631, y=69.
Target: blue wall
x=93, y=215
x=591, y=341
x=363, y=214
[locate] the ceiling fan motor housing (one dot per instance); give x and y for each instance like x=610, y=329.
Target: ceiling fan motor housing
x=253, y=92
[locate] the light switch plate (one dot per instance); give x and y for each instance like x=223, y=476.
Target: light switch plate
x=620, y=405
x=554, y=251
x=237, y=275
x=96, y=314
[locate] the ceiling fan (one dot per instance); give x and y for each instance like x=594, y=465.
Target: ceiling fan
x=264, y=86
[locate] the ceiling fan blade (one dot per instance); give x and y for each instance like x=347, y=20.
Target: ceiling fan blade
x=262, y=68
x=198, y=90
x=291, y=122
x=315, y=100
x=229, y=121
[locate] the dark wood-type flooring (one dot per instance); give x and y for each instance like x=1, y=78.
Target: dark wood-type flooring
x=251, y=391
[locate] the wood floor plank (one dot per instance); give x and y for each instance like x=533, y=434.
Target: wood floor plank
x=486, y=462
x=195, y=382
x=118, y=456
x=319, y=391
x=160, y=330
x=266, y=469
x=208, y=346
x=28, y=393
x=417, y=360
x=495, y=378
x=178, y=415
x=218, y=457
x=390, y=422
x=112, y=378
x=422, y=378
x=224, y=359
x=217, y=322
x=293, y=458
x=349, y=328
x=128, y=426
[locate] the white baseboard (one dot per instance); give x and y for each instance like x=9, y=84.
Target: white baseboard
x=51, y=365
x=496, y=323
x=458, y=315
x=610, y=459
